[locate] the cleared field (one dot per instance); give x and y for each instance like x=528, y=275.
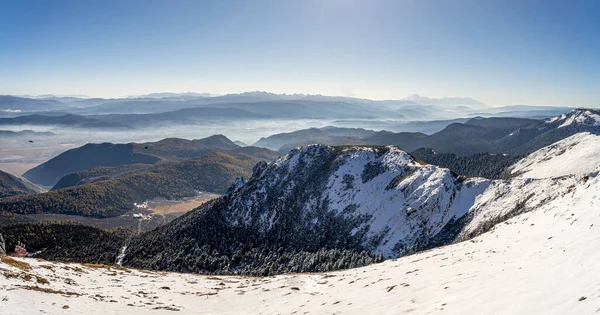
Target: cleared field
x=162, y=206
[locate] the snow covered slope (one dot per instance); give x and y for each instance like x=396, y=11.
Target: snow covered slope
x=361, y=198
x=531, y=242
x=579, y=116
x=577, y=154
x=541, y=262
x=381, y=195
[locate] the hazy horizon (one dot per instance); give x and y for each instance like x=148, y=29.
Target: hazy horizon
x=417, y=98
x=500, y=53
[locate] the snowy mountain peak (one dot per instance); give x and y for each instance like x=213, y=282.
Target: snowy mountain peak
x=578, y=116
x=385, y=201
x=371, y=199
x=377, y=196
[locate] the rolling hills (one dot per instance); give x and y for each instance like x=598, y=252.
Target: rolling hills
x=211, y=172
x=109, y=154
x=496, y=135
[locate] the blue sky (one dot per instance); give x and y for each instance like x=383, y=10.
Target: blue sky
x=500, y=52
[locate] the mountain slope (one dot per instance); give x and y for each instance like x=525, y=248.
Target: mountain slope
x=327, y=135
x=541, y=262
x=112, y=172
x=476, y=135
x=496, y=135
x=375, y=199
x=501, y=123
x=531, y=138
x=97, y=174
x=486, y=165
x=576, y=154
x=212, y=172
x=87, y=156
x=109, y=154
x=12, y=186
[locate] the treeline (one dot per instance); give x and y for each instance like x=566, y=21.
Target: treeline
x=67, y=242
x=492, y=166
x=203, y=241
x=261, y=261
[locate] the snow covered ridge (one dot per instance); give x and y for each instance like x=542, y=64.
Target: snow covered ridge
x=578, y=155
x=579, y=116
x=377, y=199
x=541, y=262
x=397, y=205
x=380, y=196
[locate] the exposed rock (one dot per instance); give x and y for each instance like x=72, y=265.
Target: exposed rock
x=2, y=246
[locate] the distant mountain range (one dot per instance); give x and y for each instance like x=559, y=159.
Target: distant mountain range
x=249, y=105
x=318, y=207
x=68, y=120
x=24, y=133
x=328, y=135
x=446, y=101
x=515, y=136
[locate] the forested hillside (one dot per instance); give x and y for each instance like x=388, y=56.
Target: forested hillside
x=12, y=186
x=212, y=172
x=70, y=242
x=486, y=165
x=109, y=154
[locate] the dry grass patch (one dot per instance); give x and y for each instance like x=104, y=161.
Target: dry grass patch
x=167, y=308
x=15, y=263
x=41, y=280
x=107, y=267
x=10, y=274
x=48, y=290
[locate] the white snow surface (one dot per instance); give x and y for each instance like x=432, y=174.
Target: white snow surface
x=541, y=262
x=409, y=202
x=578, y=154
x=539, y=255
x=579, y=116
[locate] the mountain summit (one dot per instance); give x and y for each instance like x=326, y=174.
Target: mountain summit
x=578, y=116
x=373, y=199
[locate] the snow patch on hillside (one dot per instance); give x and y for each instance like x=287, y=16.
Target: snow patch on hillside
x=404, y=201
x=578, y=154
x=579, y=116
x=397, y=205
x=541, y=262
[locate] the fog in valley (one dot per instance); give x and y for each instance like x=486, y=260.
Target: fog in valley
x=36, y=129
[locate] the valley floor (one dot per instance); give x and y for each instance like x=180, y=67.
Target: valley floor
x=541, y=262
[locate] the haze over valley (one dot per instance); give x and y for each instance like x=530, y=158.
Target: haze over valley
x=36, y=129
x=299, y=157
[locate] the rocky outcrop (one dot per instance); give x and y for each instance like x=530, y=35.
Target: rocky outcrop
x=2, y=246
